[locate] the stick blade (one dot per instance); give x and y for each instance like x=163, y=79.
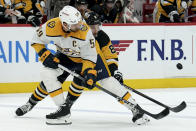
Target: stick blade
x=179, y=108
x=158, y=116
x=162, y=114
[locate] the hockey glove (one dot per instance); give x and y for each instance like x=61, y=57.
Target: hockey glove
x=48, y=59
x=174, y=17
x=34, y=21
x=90, y=76
x=118, y=75
x=21, y=20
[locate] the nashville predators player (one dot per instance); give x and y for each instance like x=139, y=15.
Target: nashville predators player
x=167, y=11
x=106, y=65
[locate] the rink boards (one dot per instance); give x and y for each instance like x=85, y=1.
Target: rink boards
x=148, y=56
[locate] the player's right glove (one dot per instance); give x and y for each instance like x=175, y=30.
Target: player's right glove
x=174, y=17
x=48, y=59
x=90, y=76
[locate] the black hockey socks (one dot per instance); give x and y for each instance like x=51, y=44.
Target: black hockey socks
x=39, y=94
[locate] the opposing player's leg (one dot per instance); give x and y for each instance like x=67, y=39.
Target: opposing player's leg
x=115, y=87
x=111, y=84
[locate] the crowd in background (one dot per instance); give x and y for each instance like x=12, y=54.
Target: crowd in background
x=36, y=12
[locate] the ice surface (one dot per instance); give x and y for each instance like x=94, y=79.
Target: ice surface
x=97, y=111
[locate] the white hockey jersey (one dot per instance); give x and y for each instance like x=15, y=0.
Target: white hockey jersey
x=80, y=44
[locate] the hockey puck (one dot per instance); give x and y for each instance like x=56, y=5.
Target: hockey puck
x=179, y=66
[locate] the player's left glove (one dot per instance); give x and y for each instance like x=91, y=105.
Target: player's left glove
x=118, y=75
x=90, y=76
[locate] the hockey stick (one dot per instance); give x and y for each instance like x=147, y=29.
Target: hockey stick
x=176, y=109
x=158, y=116
x=191, y=16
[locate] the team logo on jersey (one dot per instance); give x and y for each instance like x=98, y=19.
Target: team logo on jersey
x=121, y=45
x=84, y=27
x=51, y=24
x=70, y=52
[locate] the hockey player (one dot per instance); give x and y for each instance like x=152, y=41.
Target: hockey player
x=111, y=57
x=50, y=86
x=170, y=10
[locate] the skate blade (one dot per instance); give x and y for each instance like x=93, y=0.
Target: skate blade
x=58, y=122
x=142, y=121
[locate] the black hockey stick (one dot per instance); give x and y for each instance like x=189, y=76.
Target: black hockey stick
x=176, y=109
x=158, y=116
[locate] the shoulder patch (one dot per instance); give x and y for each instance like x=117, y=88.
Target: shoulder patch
x=54, y=28
x=51, y=24
x=84, y=28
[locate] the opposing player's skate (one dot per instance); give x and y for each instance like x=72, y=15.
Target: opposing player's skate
x=139, y=117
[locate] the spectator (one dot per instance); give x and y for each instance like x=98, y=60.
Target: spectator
x=193, y=6
x=82, y=6
x=25, y=11
x=54, y=6
x=127, y=13
x=169, y=11
x=119, y=5
x=4, y=15
x=191, y=15
x=107, y=12
x=37, y=12
x=90, y=2
x=138, y=9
